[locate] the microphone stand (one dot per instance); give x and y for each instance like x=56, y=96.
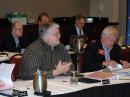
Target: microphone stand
x=78, y=54
x=77, y=42
x=79, y=69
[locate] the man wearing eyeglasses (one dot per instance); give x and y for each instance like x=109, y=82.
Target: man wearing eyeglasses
x=47, y=54
x=104, y=52
x=13, y=41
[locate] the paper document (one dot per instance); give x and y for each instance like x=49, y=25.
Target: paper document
x=5, y=76
x=100, y=75
x=123, y=74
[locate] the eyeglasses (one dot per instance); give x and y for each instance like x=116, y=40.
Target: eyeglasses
x=20, y=29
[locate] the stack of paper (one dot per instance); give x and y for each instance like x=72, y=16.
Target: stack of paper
x=100, y=75
x=123, y=74
x=5, y=76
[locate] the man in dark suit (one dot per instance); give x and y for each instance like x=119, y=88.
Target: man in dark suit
x=43, y=19
x=104, y=52
x=13, y=41
x=77, y=29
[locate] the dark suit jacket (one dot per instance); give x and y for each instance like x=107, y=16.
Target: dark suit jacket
x=67, y=33
x=94, y=57
x=8, y=44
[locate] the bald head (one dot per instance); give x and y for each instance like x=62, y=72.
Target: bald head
x=17, y=29
x=109, y=36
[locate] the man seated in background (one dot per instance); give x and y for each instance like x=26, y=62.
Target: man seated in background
x=43, y=19
x=105, y=52
x=13, y=41
x=77, y=29
x=47, y=54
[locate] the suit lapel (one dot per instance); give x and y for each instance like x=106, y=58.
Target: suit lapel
x=12, y=41
x=74, y=31
x=101, y=53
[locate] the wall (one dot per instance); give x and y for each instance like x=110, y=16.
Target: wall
x=105, y=8
x=54, y=8
x=122, y=17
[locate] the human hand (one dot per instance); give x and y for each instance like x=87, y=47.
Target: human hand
x=62, y=68
x=125, y=64
x=105, y=63
x=111, y=63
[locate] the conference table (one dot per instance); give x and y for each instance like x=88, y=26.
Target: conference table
x=5, y=56
x=60, y=87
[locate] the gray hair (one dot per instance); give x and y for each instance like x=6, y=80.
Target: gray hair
x=110, y=30
x=46, y=28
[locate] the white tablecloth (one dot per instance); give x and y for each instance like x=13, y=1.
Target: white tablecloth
x=59, y=85
x=4, y=57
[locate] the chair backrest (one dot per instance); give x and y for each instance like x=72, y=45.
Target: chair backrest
x=16, y=59
x=125, y=53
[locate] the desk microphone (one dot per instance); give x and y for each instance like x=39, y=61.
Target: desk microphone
x=67, y=47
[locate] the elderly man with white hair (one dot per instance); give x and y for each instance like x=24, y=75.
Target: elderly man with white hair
x=13, y=41
x=47, y=54
x=104, y=52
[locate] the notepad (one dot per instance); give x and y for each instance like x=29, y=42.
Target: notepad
x=100, y=75
x=5, y=75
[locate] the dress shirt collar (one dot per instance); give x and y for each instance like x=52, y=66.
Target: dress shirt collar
x=43, y=43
